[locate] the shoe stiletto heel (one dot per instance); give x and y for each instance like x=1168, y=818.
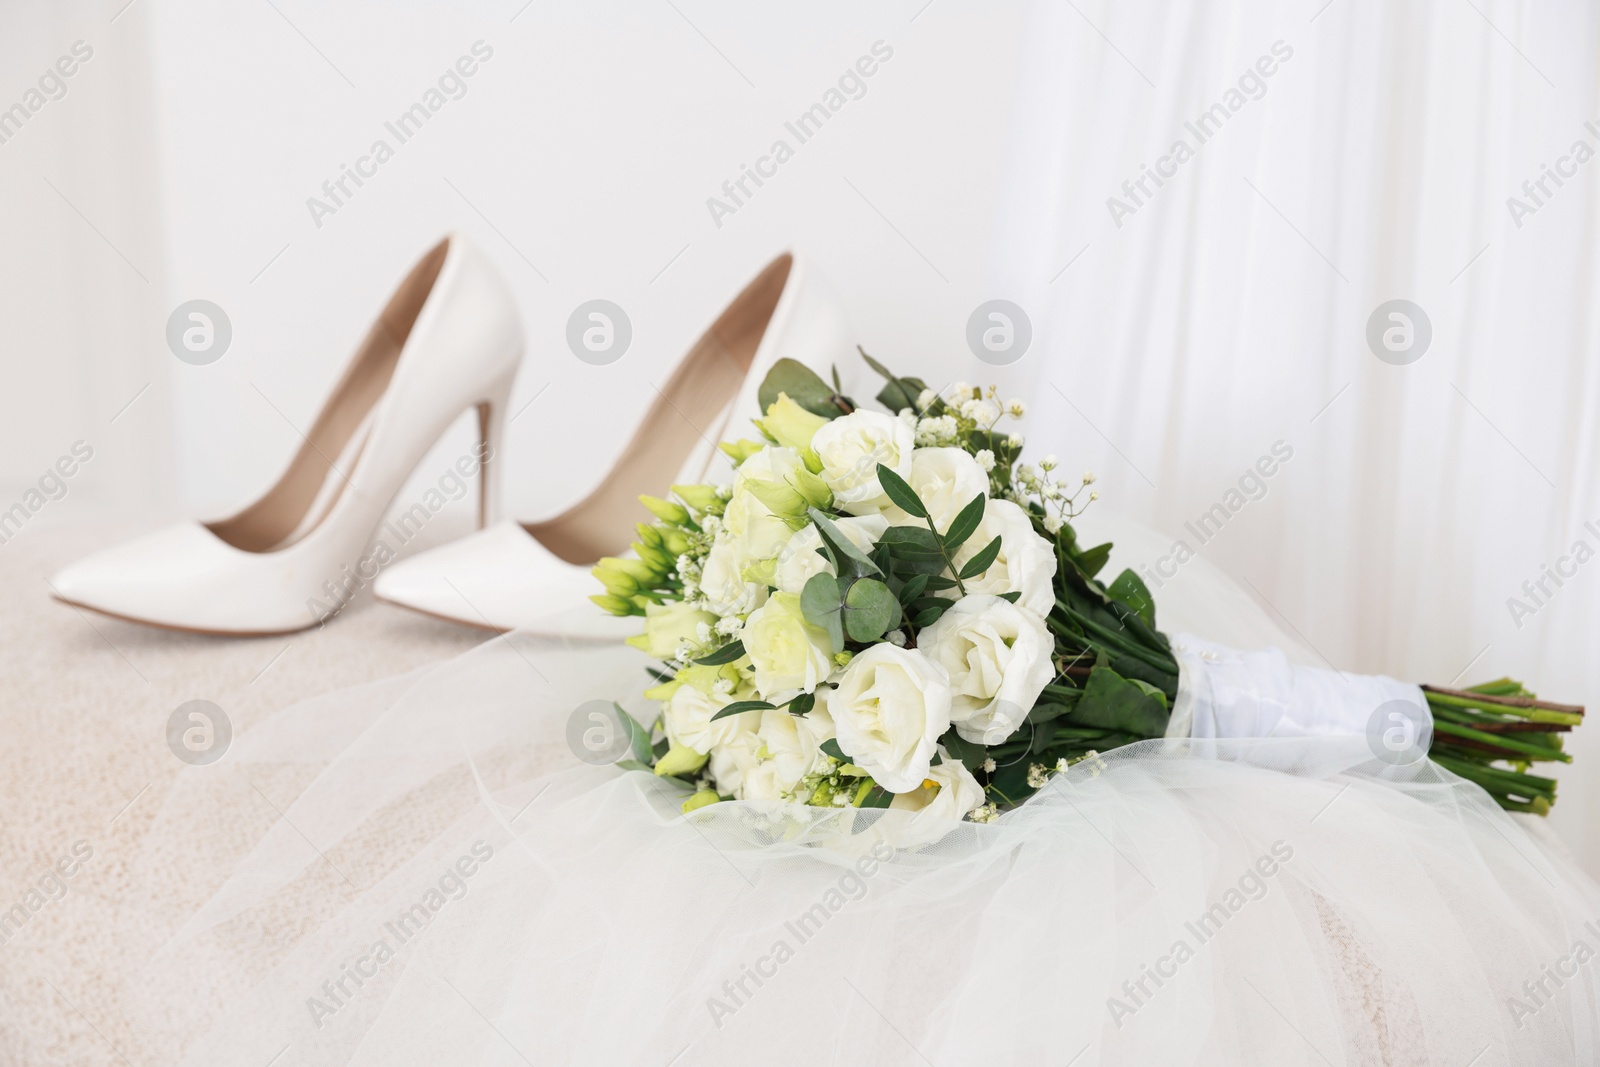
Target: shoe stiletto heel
x=492, y=415
x=449, y=340
x=536, y=576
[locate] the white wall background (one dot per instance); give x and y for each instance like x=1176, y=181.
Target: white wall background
x=1227, y=314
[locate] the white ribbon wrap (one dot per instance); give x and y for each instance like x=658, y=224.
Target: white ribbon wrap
x=1225, y=693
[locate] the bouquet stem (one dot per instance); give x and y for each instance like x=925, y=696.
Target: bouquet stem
x=1473, y=730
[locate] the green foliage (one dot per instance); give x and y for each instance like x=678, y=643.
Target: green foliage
x=804, y=387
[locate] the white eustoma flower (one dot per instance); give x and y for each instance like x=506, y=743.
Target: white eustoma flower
x=687, y=717
x=946, y=480
x=1026, y=563
x=757, y=533
x=732, y=761
x=666, y=626
x=788, y=653
x=998, y=657
x=851, y=447
x=947, y=794
x=799, y=561
x=889, y=708
x=722, y=583
x=787, y=751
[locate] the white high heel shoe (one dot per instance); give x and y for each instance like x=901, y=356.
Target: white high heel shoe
x=536, y=577
x=450, y=339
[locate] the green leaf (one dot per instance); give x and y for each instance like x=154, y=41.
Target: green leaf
x=876, y=797
x=905, y=498
x=929, y=616
x=1131, y=590
x=1013, y=596
x=803, y=386
x=822, y=603
x=848, y=560
x=899, y=393
x=963, y=524
x=1095, y=558
x=914, y=544
x=913, y=588
x=830, y=747
x=801, y=704
x=638, y=737
x=870, y=609
x=980, y=563
x=738, y=707
x=632, y=765
x=1113, y=702
x=970, y=753
x=726, y=654
x=1047, y=712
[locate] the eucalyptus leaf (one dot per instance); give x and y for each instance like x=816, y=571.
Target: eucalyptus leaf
x=848, y=560
x=912, y=543
x=803, y=386
x=870, y=609
x=822, y=604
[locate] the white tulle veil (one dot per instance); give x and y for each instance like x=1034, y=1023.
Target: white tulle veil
x=436, y=879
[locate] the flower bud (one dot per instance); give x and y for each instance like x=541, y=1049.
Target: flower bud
x=781, y=498
x=701, y=498
x=680, y=759
x=792, y=426
x=742, y=449
x=665, y=510
x=616, y=605
x=700, y=800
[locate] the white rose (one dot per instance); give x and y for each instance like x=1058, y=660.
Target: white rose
x=946, y=479
x=1026, y=563
x=851, y=447
x=946, y=795
x=722, y=583
x=889, y=709
x=687, y=714
x=788, y=653
x=787, y=751
x=800, y=561
x=998, y=657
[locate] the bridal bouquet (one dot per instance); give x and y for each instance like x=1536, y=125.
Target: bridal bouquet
x=890, y=609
